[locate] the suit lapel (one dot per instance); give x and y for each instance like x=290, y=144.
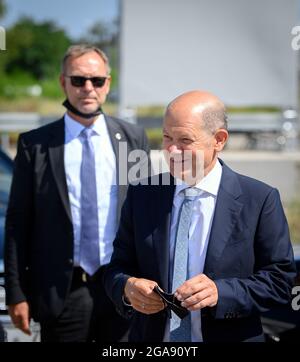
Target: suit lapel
x=162, y=213
x=227, y=212
x=56, y=156
x=116, y=136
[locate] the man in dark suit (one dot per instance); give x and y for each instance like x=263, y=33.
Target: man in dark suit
x=217, y=239
x=64, y=209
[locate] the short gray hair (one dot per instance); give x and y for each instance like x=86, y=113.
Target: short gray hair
x=75, y=51
x=214, y=117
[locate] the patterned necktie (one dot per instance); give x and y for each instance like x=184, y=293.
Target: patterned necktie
x=180, y=329
x=89, y=243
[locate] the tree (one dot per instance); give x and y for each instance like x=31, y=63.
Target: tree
x=102, y=35
x=2, y=8
x=35, y=48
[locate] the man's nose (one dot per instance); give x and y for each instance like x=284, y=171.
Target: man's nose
x=88, y=85
x=174, y=148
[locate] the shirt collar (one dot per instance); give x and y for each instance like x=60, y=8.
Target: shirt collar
x=210, y=183
x=74, y=128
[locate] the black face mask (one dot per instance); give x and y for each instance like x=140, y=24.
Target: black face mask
x=74, y=110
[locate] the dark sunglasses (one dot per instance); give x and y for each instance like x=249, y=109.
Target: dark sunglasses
x=172, y=303
x=79, y=81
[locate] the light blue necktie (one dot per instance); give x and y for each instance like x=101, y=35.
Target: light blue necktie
x=89, y=243
x=180, y=329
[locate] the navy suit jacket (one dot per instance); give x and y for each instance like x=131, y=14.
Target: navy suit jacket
x=249, y=256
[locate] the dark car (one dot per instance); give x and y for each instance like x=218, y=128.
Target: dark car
x=6, y=168
x=282, y=324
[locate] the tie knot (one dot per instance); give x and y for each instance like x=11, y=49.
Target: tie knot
x=191, y=192
x=86, y=133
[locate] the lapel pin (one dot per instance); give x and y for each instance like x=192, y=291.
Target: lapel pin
x=118, y=136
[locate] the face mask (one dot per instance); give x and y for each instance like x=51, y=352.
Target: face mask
x=74, y=110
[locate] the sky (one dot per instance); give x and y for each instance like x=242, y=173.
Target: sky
x=75, y=16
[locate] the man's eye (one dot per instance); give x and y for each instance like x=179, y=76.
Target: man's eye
x=167, y=137
x=186, y=140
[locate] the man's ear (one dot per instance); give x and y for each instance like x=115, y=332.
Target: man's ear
x=62, y=81
x=108, y=83
x=221, y=137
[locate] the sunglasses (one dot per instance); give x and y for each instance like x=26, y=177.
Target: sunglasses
x=79, y=81
x=172, y=303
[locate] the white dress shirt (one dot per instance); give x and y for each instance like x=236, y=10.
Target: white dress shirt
x=199, y=233
x=107, y=191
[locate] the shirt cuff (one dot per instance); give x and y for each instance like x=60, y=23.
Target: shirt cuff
x=125, y=301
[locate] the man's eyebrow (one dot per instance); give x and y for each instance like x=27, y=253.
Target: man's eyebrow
x=186, y=135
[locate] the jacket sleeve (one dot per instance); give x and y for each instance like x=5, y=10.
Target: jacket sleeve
x=274, y=272
x=123, y=261
x=18, y=226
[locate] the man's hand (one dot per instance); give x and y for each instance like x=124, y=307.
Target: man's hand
x=197, y=293
x=19, y=314
x=141, y=296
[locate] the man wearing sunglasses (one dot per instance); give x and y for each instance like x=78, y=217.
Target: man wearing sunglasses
x=64, y=209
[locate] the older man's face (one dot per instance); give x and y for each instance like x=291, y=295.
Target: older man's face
x=190, y=150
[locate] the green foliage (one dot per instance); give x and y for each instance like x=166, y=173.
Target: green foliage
x=158, y=110
x=253, y=109
x=31, y=65
x=151, y=111
x=114, y=79
x=34, y=48
x=16, y=84
x=2, y=8
x=155, y=137
x=34, y=54
x=51, y=88
x=22, y=84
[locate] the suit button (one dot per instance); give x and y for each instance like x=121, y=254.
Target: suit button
x=70, y=261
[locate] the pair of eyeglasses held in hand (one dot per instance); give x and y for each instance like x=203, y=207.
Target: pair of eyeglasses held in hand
x=172, y=303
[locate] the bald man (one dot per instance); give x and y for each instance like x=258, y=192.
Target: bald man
x=216, y=239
